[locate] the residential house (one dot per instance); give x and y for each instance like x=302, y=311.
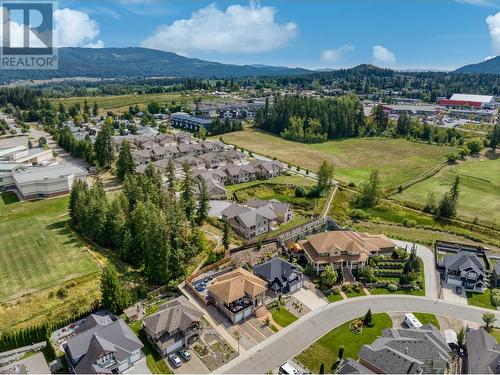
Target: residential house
x=102, y=346
x=495, y=276
x=185, y=121
x=213, y=160
x=215, y=189
x=350, y=366
x=267, y=169
x=343, y=249
x=237, y=294
x=193, y=161
x=185, y=149
x=217, y=175
x=483, y=352
x=134, y=312
x=196, y=149
x=254, y=222
x=141, y=156
x=172, y=151
x=212, y=146
x=234, y=156
x=282, y=277
x=234, y=210
x=464, y=269
x=282, y=210
x=407, y=351
x=33, y=364
x=237, y=174
x=177, y=324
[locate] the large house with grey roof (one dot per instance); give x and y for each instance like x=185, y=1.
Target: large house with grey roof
x=282, y=277
x=407, y=351
x=177, y=324
x=464, y=269
x=483, y=352
x=102, y=346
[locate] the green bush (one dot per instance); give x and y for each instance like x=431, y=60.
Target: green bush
x=62, y=292
x=392, y=287
x=495, y=297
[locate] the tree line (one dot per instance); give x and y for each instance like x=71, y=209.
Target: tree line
x=148, y=226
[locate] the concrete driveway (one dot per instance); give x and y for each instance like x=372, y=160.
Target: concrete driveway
x=430, y=273
x=450, y=294
x=311, y=298
x=140, y=367
x=194, y=366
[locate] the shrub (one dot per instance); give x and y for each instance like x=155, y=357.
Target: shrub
x=62, y=292
x=495, y=297
x=351, y=184
x=336, y=291
x=300, y=191
x=392, y=287
x=359, y=214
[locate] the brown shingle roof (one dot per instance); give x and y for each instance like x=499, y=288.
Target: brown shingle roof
x=235, y=284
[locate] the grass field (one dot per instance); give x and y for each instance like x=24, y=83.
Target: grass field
x=425, y=318
x=479, y=188
x=120, y=103
x=398, y=160
x=282, y=316
x=38, y=249
x=325, y=350
x=280, y=180
x=481, y=299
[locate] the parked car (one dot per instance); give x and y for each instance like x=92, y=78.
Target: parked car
x=458, y=289
x=175, y=360
x=184, y=354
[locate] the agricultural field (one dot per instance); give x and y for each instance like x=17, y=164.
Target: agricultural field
x=120, y=103
x=38, y=249
x=479, y=188
x=398, y=160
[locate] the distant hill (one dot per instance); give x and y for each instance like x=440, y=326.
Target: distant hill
x=491, y=66
x=141, y=62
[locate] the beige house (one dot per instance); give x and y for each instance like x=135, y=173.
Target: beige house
x=343, y=249
x=237, y=294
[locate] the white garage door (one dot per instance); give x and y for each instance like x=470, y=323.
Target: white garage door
x=247, y=313
x=238, y=317
x=174, y=347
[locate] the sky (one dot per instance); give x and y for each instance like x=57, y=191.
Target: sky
x=315, y=34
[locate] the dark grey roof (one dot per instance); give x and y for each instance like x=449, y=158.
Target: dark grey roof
x=350, y=366
x=407, y=350
x=483, y=353
x=496, y=267
x=463, y=260
x=178, y=314
x=116, y=338
x=234, y=210
x=35, y=364
x=275, y=270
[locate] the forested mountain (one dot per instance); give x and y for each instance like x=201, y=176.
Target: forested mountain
x=491, y=66
x=140, y=62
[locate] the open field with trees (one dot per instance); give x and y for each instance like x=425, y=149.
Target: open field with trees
x=398, y=160
x=479, y=192
x=120, y=103
x=325, y=351
x=39, y=250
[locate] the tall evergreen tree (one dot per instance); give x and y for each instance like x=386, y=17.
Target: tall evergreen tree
x=104, y=148
x=226, y=235
x=203, y=205
x=95, y=109
x=125, y=163
x=187, y=187
x=171, y=176
x=113, y=296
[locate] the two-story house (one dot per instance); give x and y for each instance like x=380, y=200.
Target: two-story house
x=102, y=346
x=464, y=269
x=237, y=294
x=282, y=277
x=177, y=324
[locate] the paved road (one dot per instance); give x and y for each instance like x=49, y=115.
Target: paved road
x=290, y=341
x=430, y=273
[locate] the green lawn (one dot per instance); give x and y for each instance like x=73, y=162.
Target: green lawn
x=481, y=299
x=353, y=294
x=334, y=298
x=425, y=318
x=398, y=160
x=325, y=350
x=420, y=292
x=283, y=180
x=282, y=316
x=496, y=334
x=38, y=249
x=479, y=188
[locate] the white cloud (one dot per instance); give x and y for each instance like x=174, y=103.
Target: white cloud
x=334, y=55
x=74, y=28
x=493, y=23
x=483, y=3
x=489, y=58
x=239, y=29
x=382, y=56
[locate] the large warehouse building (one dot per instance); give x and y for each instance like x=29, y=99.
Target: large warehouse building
x=468, y=100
